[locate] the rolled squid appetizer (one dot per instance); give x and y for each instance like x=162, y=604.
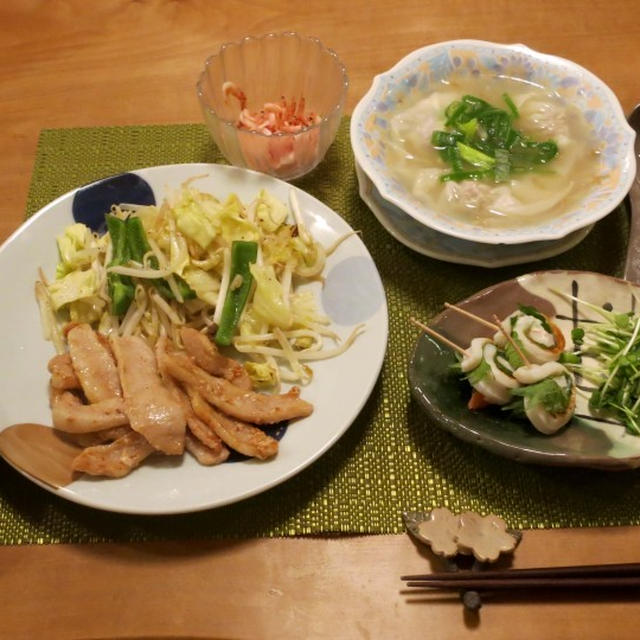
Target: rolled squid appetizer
x=547, y=395
x=489, y=373
x=538, y=337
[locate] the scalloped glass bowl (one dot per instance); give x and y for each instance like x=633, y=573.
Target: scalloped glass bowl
x=267, y=68
x=422, y=68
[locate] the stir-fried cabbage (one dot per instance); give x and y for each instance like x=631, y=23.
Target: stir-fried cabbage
x=270, y=304
x=183, y=279
x=72, y=287
x=270, y=212
x=77, y=248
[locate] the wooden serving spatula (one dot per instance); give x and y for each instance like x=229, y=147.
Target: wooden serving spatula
x=39, y=451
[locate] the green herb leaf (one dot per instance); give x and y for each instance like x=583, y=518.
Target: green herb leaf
x=458, y=176
x=511, y=354
x=442, y=139
x=566, y=357
x=469, y=129
x=595, y=400
x=451, y=155
x=547, y=393
x=526, y=154
x=622, y=320
x=488, y=145
x=515, y=407
x=475, y=157
x=474, y=376
x=453, y=112
x=577, y=336
x=532, y=311
x=512, y=107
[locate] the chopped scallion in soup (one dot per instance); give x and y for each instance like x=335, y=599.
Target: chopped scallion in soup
x=479, y=141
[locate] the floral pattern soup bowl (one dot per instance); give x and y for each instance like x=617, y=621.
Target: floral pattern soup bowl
x=451, y=64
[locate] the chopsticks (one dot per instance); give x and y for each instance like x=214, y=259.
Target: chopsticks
x=585, y=576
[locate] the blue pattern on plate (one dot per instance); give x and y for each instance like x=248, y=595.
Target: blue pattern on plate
x=350, y=294
x=91, y=203
x=276, y=431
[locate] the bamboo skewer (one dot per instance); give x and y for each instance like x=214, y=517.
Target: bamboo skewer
x=437, y=336
x=473, y=316
x=496, y=325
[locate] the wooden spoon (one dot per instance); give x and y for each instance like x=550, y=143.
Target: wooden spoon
x=41, y=452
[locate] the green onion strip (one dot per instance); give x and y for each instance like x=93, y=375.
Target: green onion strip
x=479, y=142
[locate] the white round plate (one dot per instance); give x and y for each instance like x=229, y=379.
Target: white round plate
x=352, y=293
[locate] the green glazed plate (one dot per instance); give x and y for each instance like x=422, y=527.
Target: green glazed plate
x=587, y=441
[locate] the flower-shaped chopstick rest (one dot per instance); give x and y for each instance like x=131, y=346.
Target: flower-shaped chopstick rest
x=467, y=533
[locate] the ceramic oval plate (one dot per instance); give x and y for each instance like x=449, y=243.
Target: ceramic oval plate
x=352, y=294
x=587, y=441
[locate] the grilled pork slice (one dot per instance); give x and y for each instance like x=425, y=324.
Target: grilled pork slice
x=240, y=436
x=93, y=364
x=93, y=438
x=206, y=435
x=247, y=406
x=152, y=410
x=212, y=446
x=203, y=454
x=116, y=459
x=207, y=357
x=71, y=415
x=62, y=374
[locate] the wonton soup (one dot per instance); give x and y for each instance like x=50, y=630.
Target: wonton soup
x=521, y=199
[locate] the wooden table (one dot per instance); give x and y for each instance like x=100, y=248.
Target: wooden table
x=71, y=63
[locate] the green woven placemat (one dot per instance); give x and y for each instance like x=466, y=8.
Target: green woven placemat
x=391, y=459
